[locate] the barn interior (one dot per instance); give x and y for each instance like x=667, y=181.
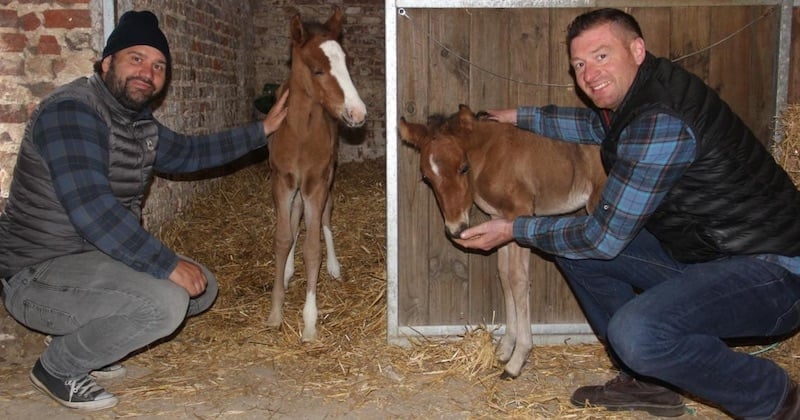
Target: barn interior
x=420, y=347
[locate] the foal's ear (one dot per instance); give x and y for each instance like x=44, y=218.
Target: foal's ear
x=297, y=32
x=465, y=117
x=414, y=135
x=334, y=23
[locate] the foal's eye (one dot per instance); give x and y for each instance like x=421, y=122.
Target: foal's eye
x=317, y=72
x=463, y=169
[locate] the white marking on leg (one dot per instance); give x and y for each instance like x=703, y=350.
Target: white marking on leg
x=288, y=269
x=334, y=269
x=310, y=317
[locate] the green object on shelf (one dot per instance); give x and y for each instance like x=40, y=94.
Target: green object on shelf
x=268, y=97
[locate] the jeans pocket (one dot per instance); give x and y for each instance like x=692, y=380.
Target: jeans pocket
x=47, y=319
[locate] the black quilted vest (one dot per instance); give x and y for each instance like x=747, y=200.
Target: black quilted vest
x=734, y=199
x=34, y=226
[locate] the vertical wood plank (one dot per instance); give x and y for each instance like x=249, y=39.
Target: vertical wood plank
x=762, y=71
x=489, y=54
x=552, y=60
x=689, y=35
x=540, y=59
x=654, y=22
x=488, y=89
x=565, y=307
x=558, y=58
x=529, y=56
x=729, y=60
x=794, y=60
x=448, y=87
x=414, y=247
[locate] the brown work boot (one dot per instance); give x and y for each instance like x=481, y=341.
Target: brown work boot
x=625, y=393
x=790, y=409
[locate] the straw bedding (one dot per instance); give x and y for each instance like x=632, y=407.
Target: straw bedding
x=787, y=151
x=230, y=229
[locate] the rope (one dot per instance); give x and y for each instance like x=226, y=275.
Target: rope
x=404, y=13
x=770, y=347
x=702, y=50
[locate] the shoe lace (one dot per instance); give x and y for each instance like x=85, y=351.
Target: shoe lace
x=83, y=386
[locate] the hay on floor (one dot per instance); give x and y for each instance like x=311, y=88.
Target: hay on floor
x=787, y=152
x=230, y=230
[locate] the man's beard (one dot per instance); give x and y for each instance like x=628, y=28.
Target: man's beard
x=118, y=88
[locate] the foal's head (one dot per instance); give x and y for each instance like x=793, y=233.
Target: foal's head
x=444, y=164
x=319, y=69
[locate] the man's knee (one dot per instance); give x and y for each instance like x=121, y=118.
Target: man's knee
x=163, y=311
x=204, y=301
x=639, y=339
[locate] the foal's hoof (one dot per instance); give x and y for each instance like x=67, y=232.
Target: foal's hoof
x=508, y=376
x=274, y=322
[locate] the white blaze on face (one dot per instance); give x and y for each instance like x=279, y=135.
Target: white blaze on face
x=434, y=166
x=354, y=109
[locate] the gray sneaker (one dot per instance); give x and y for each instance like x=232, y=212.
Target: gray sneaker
x=81, y=392
x=113, y=371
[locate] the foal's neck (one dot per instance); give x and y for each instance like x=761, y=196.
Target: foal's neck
x=482, y=136
x=307, y=115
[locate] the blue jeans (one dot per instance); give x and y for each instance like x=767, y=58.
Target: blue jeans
x=97, y=309
x=666, y=320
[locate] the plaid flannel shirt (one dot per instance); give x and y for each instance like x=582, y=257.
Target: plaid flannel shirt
x=73, y=140
x=653, y=153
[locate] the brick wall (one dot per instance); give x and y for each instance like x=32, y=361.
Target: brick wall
x=211, y=84
x=42, y=45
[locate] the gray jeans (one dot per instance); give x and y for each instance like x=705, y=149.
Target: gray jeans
x=97, y=309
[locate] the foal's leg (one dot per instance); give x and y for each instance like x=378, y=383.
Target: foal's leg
x=519, y=265
x=314, y=203
x=297, y=212
x=505, y=347
x=334, y=269
x=284, y=196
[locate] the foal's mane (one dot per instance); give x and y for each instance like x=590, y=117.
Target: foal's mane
x=437, y=121
x=317, y=28
x=450, y=123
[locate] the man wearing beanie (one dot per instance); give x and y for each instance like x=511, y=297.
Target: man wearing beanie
x=75, y=261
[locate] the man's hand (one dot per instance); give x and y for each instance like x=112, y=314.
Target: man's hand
x=276, y=114
x=488, y=235
x=503, y=115
x=189, y=276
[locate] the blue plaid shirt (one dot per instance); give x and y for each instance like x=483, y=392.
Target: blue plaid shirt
x=73, y=141
x=654, y=152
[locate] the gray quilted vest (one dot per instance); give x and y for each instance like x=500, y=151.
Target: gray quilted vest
x=35, y=227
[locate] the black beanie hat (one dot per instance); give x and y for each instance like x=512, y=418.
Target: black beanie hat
x=137, y=28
